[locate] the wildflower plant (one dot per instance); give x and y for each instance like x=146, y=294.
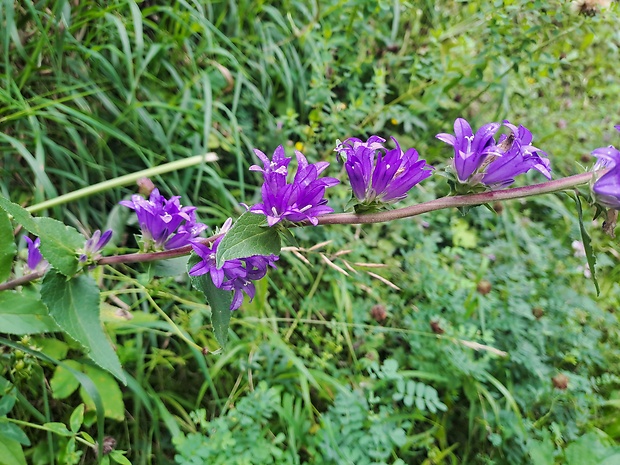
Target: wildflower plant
x=226, y=265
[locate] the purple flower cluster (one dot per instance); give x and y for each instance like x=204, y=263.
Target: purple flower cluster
x=234, y=275
x=607, y=188
x=478, y=158
x=303, y=199
x=165, y=224
x=379, y=175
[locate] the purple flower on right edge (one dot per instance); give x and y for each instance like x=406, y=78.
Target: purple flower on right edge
x=479, y=159
x=607, y=188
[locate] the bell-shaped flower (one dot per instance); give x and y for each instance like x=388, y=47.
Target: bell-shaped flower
x=302, y=199
x=379, y=175
x=34, y=260
x=470, y=150
x=479, y=159
x=514, y=156
x=165, y=224
x=94, y=245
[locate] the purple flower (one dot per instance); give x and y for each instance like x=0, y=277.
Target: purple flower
x=607, y=188
x=165, y=224
x=234, y=275
x=469, y=150
x=379, y=175
x=94, y=245
x=479, y=159
x=515, y=156
x=301, y=200
x=34, y=255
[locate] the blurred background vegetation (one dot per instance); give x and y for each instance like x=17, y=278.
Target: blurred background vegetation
x=451, y=339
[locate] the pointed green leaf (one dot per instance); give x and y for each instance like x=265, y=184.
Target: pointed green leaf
x=248, y=237
x=587, y=245
x=218, y=299
x=7, y=246
x=24, y=314
x=74, y=305
x=58, y=241
x=19, y=214
x=59, y=244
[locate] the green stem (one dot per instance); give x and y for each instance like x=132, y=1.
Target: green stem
x=123, y=181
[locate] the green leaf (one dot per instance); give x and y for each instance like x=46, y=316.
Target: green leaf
x=118, y=457
x=7, y=246
x=74, y=305
x=76, y=419
x=12, y=431
x=19, y=214
x=63, y=382
x=6, y=404
x=110, y=393
x=57, y=428
x=218, y=299
x=59, y=242
x=12, y=453
x=246, y=238
x=24, y=314
x=587, y=245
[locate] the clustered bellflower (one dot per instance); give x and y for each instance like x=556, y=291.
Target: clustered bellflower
x=302, y=199
x=479, y=158
x=607, y=188
x=165, y=224
x=234, y=275
x=379, y=175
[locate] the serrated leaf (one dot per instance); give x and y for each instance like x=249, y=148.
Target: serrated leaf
x=59, y=244
x=74, y=305
x=246, y=238
x=7, y=246
x=19, y=214
x=24, y=314
x=219, y=300
x=587, y=245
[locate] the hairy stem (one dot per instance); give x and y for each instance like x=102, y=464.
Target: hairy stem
x=354, y=218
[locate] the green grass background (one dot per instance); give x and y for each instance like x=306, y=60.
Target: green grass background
x=328, y=364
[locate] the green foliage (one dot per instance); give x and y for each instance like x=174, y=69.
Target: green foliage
x=329, y=363
x=219, y=300
x=249, y=236
x=74, y=306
